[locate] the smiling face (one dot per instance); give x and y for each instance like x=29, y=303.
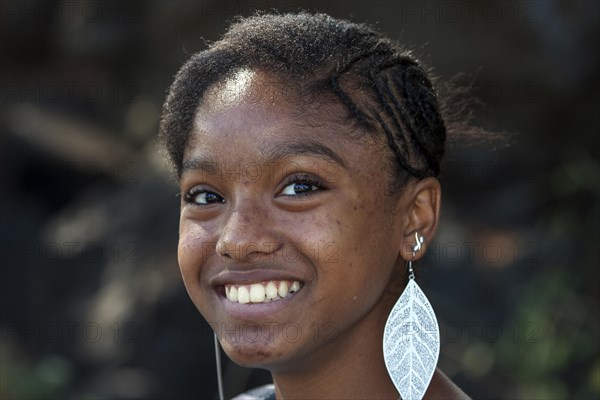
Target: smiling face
x=288, y=243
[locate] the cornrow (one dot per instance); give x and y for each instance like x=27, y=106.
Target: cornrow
x=385, y=90
x=415, y=126
x=400, y=149
x=362, y=119
x=359, y=115
x=408, y=127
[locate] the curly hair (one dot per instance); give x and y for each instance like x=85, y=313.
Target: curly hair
x=384, y=88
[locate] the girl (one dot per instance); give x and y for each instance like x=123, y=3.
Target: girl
x=307, y=150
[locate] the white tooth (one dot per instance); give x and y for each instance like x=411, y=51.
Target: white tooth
x=227, y=291
x=243, y=295
x=233, y=294
x=257, y=293
x=271, y=290
x=295, y=287
x=283, y=289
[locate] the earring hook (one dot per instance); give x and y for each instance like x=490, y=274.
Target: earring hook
x=419, y=240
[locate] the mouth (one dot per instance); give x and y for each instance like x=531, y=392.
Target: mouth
x=261, y=292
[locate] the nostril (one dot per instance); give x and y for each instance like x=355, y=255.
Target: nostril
x=221, y=250
x=246, y=251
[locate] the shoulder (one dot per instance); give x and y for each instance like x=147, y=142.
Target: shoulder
x=266, y=392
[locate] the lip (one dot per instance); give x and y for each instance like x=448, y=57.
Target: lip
x=254, y=311
x=252, y=276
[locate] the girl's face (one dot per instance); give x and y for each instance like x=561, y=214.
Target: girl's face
x=288, y=242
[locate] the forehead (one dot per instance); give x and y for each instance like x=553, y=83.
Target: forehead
x=287, y=96
x=254, y=100
x=244, y=86
x=252, y=113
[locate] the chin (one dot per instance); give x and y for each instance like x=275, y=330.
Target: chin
x=255, y=355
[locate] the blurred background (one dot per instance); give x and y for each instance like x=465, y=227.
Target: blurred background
x=92, y=304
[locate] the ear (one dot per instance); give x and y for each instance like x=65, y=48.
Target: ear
x=421, y=205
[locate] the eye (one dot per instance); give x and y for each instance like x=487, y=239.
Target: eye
x=203, y=197
x=302, y=185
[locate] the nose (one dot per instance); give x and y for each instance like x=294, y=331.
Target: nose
x=247, y=234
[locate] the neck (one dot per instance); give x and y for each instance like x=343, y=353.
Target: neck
x=358, y=374
x=350, y=367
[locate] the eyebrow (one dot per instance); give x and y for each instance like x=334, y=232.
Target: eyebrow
x=199, y=163
x=271, y=155
x=304, y=147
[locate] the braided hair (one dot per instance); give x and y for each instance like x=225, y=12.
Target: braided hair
x=383, y=87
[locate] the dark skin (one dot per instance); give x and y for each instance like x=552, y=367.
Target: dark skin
x=269, y=197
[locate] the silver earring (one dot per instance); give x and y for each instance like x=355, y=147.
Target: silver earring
x=411, y=339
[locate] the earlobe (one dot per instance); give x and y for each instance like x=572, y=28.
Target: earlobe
x=423, y=209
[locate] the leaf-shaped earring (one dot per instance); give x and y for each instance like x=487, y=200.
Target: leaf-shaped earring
x=411, y=339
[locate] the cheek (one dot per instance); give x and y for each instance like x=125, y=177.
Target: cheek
x=367, y=249
x=194, y=247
